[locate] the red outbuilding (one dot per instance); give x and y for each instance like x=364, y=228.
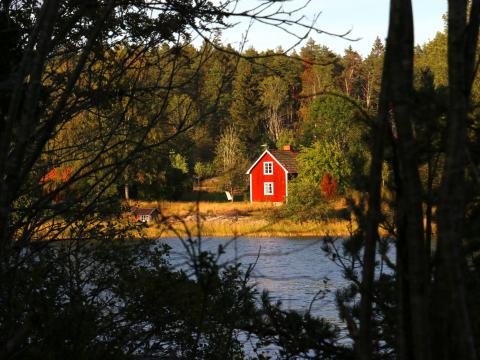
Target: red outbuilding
x=270, y=173
x=145, y=215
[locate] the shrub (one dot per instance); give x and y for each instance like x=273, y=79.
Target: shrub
x=328, y=186
x=305, y=201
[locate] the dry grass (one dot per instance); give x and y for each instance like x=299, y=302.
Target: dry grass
x=180, y=208
x=237, y=219
x=252, y=229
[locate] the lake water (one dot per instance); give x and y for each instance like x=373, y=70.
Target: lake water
x=294, y=270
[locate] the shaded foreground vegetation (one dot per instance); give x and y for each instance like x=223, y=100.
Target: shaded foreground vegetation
x=92, y=95
x=102, y=99
x=124, y=300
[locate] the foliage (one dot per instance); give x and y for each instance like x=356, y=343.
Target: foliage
x=305, y=201
x=116, y=93
x=287, y=137
x=331, y=118
x=299, y=334
x=204, y=170
x=328, y=186
x=246, y=108
x=125, y=300
x=347, y=255
x=230, y=160
x=421, y=135
x=352, y=77
x=336, y=141
x=131, y=284
x=274, y=93
x=179, y=162
x=322, y=158
x=112, y=90
x=372, y=70
x=428, y=57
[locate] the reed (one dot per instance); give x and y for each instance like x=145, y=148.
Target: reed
x=250, y=227
x=236, y=219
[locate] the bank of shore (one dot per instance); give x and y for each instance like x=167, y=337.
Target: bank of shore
x=222, y=219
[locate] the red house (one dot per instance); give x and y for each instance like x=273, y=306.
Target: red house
x=145, y=215
x=270, y=173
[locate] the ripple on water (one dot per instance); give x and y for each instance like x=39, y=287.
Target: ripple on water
x=292, y=270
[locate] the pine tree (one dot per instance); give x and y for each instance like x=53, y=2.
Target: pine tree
x=246, y=109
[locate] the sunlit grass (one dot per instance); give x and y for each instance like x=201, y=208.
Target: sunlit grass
x=237, y=219
x=182, y=208
x=251, y=228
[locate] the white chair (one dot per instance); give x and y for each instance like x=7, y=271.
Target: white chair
x=229, y=196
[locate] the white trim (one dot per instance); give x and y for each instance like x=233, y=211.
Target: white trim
x=251, y=191
x=271, y=168
x=260, y=158
x=264, y=188
x=256, y=162
x=286, y=187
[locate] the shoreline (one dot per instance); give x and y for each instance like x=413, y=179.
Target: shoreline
x=251, y=228
x=264, y=236
x=238, y=219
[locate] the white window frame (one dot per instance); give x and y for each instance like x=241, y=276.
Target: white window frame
x=144, y=218
x=268, y=168
x=268, y=185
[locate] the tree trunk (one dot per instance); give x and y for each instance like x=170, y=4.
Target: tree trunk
x=431, y=169
x=412, y=273
x=127, y=192
x=364, y=343
x=453, y=336
x=396, y=99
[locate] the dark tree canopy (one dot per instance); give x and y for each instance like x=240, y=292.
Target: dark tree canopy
x=104, y=101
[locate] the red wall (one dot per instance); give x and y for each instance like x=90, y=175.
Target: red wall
x=278, y=178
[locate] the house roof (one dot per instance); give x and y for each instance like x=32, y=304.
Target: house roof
x=286, y=159
x=143, y=211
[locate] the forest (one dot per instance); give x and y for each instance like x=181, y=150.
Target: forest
x=268, y=99
x=106, y=101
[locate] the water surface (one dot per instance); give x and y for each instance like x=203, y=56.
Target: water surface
x=294, y=270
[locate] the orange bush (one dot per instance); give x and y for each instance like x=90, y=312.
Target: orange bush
x=328, y=186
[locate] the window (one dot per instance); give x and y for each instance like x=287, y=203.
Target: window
x=144, y=218
x=268, y=168
x=268, y=188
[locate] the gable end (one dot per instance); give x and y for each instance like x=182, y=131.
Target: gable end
x=261, y=157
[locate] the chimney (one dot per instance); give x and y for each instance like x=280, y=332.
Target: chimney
x=287, y=147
